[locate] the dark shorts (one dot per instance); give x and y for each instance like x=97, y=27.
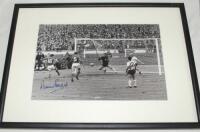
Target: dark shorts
x=131, y=72
x=105, y=64
x=57, y=65
x=39, y=62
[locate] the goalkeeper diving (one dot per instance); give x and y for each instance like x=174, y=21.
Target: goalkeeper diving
x=105, y=62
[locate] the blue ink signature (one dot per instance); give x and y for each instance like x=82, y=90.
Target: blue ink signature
x=56, y=84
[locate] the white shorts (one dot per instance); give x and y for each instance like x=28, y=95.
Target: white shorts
x=75, y=67
x=51, y=67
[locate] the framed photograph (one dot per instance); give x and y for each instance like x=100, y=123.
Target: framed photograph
x=100, y=65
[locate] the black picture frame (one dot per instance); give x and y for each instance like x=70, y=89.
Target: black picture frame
x=166, y=125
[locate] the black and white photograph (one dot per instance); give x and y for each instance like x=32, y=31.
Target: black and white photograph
x=99, y=65
x=99, y=62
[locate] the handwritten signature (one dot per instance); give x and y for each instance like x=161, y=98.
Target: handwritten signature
x=55, y=84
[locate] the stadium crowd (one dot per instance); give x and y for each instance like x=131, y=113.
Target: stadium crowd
x=61, y=37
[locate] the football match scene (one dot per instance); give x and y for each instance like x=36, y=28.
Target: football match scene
x=99, y=62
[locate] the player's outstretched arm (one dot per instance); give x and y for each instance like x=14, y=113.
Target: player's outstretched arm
x=140, y=61
x=127, y=68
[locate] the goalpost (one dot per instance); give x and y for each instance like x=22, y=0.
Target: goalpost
x=125, y=50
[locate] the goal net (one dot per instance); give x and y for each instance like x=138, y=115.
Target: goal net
x=148, y=49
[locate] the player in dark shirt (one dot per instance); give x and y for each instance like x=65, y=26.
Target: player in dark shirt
x=105, y=62
x=39, y=60
x=69, y=60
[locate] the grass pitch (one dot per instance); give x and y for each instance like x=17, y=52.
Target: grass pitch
x=95, y=85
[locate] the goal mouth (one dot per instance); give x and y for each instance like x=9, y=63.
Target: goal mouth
x=120, y=47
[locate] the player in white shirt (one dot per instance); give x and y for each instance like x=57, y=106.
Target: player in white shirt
x=76, y=67
x=131, y=70
x=52, y=63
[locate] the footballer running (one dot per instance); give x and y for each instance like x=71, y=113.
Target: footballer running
x=52, y=64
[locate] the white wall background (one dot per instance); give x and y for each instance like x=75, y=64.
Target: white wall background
x=6, y=10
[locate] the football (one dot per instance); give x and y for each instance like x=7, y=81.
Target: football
x=91, y=64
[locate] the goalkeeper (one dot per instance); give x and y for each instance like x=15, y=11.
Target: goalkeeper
x=105, y=62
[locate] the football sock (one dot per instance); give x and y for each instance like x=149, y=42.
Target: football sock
x=58, y=72
x=134, y=83
x=129, y=83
